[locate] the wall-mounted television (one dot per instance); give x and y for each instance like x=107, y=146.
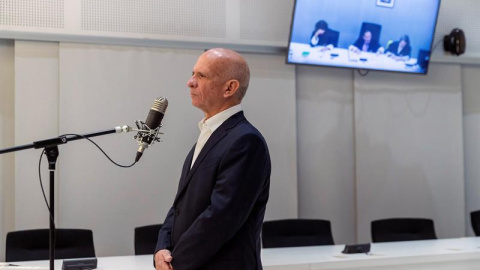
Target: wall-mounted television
x=387, y=35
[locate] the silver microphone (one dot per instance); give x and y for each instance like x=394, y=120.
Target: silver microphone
x=150, y=128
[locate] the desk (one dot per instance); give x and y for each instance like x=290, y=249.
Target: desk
x=442, y=254
x=339, y=57
x=461, y=253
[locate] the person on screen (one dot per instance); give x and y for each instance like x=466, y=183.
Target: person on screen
x=401, y=49
x=322, y=36
x=365, y=43
x=218, y=211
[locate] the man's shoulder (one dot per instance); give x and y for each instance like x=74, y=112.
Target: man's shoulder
x=247, y=130
x=240, y=124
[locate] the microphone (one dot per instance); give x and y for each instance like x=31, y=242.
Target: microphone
x=150, y=128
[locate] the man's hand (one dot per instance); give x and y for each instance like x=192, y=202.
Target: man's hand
x=163, y=259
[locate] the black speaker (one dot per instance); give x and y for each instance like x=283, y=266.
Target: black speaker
x=356, y=248
x=79, y=264
x=455, y=42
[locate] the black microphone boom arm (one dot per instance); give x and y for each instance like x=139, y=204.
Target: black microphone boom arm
x=64, y=139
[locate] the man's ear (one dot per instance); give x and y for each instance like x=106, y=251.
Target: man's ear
x=231, y=88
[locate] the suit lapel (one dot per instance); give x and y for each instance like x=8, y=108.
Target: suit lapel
x=216, y=136
x=188, y=163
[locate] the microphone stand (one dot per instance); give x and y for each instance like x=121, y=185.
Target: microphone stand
x=51, y=151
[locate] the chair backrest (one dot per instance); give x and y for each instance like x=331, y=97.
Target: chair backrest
x=402, y=229
x=475, y=218
x=334, y=37
x=145, y=239
x=296, y=232
x=30, y=245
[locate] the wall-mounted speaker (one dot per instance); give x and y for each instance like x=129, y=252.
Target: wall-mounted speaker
x=455, y=42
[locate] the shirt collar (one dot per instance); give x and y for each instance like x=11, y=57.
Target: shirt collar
x=215, y=121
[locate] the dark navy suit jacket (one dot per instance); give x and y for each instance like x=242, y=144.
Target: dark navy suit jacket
x=393, y=48
x=217, y=214
x=373, y=46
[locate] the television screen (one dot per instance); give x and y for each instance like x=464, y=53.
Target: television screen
x=388, y=35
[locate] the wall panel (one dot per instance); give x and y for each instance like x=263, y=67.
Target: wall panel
x=471, y=129
x=36, y=118
x=409, y=149
x=326, y=148
x=7, y=125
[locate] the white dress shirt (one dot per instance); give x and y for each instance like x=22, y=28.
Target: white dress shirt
x=207, y=127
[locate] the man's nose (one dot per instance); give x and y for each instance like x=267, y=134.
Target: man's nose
x=191, y=83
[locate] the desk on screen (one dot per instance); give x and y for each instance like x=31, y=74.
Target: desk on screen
x=338, y=57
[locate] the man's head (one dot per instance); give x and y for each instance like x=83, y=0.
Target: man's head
x=367, y=36
x=321, y=25
x=404, y=41
x=321, y=28
x=219, y=81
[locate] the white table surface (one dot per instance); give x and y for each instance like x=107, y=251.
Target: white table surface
x=457, y=254
x=461, y=253
x=305, y=54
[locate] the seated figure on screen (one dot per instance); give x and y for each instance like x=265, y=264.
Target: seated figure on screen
x=323, y=36
x=366, y=43
x=400, y=50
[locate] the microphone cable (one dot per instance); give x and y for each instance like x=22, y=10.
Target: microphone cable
x=111, y=160
x=43, y=190
x=45, y=198
x=40, y=175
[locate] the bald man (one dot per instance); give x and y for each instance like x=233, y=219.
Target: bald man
x=217, y=214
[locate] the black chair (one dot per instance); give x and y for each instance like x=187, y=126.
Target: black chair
x=296, y=232
x=335, y=35
x=402, y=229
x=475, y=217
x=146, y=239
x=31, y=245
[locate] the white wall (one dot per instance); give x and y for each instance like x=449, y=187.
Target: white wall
x=326, y=160
x=464, y=15
x=402, y=155
x=7, y=91
x=233, y=23
x=270, y=105
x=409, y=156
x=471, y=127
x=36, y=118
x=179, y=23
